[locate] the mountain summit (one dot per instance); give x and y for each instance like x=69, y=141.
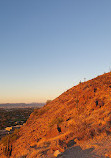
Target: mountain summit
x=78, y=122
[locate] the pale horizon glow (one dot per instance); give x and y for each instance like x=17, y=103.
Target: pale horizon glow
x=47, y=47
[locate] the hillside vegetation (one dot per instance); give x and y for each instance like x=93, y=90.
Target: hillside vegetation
x=81, y=116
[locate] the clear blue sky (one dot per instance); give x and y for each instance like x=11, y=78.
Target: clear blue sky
x=48, y=46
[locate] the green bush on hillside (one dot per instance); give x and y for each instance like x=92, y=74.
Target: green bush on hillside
x=57, y=121
x=39, y=112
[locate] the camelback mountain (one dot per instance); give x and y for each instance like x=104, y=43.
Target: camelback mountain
x=77, y=124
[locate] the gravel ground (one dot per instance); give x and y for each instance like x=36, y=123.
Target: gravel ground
x=77, y=152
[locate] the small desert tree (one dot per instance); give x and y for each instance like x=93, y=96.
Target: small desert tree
x=48, y=101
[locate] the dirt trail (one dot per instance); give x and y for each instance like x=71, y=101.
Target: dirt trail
x=77, y=152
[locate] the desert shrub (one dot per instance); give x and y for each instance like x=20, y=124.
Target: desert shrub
x=99, y=103
x=86, y=133
x=48, y=101
x=24, y=156
x=39, y=112
x=108, y=127
x=7, y=142
x=10, y=137
x=99, y=130
x=82, y=129
x=61, y=144
x=35, y=111
x=7, y=150
x=109, y=122
x=57, y=121
x=108, y=132
x=96, y=102
x=95, y=89
x=85, y=87
x=92, y=133
x=77, y=101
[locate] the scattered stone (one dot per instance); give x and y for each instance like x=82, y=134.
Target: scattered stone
x=56, y=153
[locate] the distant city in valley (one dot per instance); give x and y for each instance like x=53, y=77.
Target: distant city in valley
x=14, y=115
x=21, y=105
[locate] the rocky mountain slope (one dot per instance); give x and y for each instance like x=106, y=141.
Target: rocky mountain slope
x=78, y=122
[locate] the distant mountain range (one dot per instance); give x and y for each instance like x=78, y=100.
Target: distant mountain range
x=21, y=105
